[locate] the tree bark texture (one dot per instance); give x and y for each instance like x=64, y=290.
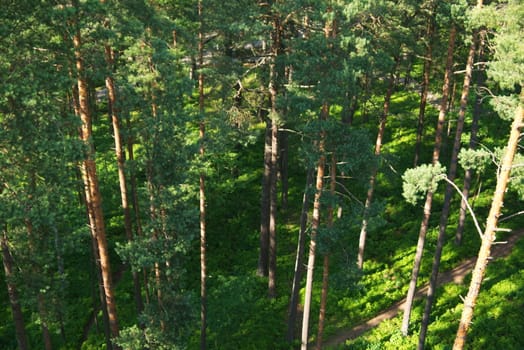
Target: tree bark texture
x=264, y=205
x=452, y=171
x=429, y=196
x=490, y=232
x=90, y=178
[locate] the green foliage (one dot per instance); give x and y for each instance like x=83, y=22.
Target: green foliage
x=476, y=159
x=419, y=180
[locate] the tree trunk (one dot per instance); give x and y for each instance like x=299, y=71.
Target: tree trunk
x=490, y=231
x=46, y=336
x=120, y=159
x=429, y=196
x=428, y=58
x=314, y=230
x=468, y=175
x=90, y=178
x=284, y=168
x=202, y=134
x=297, y=276
x=12, y=290
x=325, y=269
x=274, y=89
x=371, y=189
x=264, y=205
x=452, y=171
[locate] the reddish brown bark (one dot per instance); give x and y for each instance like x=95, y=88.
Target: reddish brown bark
x=490, y=231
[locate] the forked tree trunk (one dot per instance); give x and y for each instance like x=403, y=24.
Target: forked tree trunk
x=452, y=171
x=491, y=229
x=372, y=179
x=428, y=58
x=202, y=133
x=90, y=178
x=468, y=175
x=12, y=291
x=314, y=231
x=429, y=196
x=325, y=269
x=299, y=259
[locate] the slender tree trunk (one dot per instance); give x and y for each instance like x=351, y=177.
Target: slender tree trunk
x=120, y=159
x=90, y=178
x=264, y=205
x=12, y=290
x=452, y=171
x=284, y=168
x=372, y=179
x=42, y=310
x=428, y=58
x=429, y=196
x=299, y=259
x=325, y=269
x=314, y=231
x=468, y=175
x=274, y=89
x=202, y=134
x=490, y=231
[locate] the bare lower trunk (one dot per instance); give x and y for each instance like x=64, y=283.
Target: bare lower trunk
x=264, y=205
x=313, y=236
x=42, y=310
x=371, y=189
x=429, y=196
x=12, y=291
x=490, y=231
x=452, y=171
x=94, y=200
x=468, y=175
x=297, y=276
x=325, y=269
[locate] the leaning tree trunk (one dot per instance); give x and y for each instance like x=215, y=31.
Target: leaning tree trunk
x=93, y=197
x=452, y=171
x=12, y=291
x=325, y=269
x=490, y=232
x=299, y=259
x=314, y=231
x=372, y=179
x=429, y=196
x=468, y=175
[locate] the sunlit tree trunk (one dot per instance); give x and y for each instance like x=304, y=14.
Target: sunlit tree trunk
x=12, y=290
x=202, y=133
x=452, y=171
x=120, y=159
x=372, y=179
x=299, y=259
x=90, y=178
x=490, y=231
x=429, y=196
x=314, y=231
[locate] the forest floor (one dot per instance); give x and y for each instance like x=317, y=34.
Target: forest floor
x=456, y=275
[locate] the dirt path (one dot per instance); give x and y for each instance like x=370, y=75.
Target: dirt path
x=456, y=275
